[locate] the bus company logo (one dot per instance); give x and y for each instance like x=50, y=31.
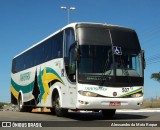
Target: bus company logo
x=95, y=89
x=25, y=76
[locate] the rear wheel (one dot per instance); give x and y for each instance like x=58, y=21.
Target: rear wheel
x=21, y=106
x=108, y=113
x=58, y=110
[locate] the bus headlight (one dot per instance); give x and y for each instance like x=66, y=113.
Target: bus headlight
x=136, y=95
x=86, y=93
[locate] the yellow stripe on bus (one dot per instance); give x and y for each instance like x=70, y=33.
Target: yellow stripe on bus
x=14, y=92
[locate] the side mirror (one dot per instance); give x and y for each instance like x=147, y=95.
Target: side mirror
x=76, y=52
x=143, y=58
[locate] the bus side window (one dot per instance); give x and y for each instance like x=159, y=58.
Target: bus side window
x=56, y=44
x=14, y=66
x=47, y=50
x=20, y=63
x=59, y=45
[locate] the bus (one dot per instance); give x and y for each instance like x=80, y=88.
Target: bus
x=83, y=66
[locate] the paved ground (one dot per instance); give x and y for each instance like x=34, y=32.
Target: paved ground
x=87, y=118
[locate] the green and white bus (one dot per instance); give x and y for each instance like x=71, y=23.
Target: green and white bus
x=83, y=66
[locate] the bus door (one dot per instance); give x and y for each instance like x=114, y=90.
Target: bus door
x=70, y=65
x=72, y=77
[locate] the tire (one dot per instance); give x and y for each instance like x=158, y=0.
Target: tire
x=53, y=111
x=28, y=109
x=108, y=113
x=60, y=112
x=21, y=106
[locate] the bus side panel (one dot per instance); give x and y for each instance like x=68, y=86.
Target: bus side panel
x=49, y=78
x=38, y=83
x=22, y=81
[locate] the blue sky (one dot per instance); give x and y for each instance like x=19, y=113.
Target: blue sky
x=25, y=22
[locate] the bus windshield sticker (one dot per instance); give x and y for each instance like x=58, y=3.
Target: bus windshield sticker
x=117, y=50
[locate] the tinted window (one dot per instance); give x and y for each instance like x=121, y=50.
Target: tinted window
x=28, y=59
x=14, y=66
x=125, y=38
x=47, y=50
x=94, y=36
x=19, y=63
x=57, y=44
x=69, y=40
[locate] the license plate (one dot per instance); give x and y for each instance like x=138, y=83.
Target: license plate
x=115, y=104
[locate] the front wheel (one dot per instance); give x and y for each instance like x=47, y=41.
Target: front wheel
x=108, y=113
x=58, y=110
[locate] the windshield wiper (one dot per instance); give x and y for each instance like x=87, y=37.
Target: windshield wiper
x=104, y=76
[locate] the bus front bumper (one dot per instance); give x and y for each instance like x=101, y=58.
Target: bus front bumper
x=89, y=103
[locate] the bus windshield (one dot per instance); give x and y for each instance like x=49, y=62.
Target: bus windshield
x=128, y=65
x=93, y=58
x=98, y=61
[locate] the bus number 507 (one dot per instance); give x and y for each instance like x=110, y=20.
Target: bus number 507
x=125, y=90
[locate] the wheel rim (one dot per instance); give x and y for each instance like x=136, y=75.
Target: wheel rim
x=20, y=103
x=57, y=103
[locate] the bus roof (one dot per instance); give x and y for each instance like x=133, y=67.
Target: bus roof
x=73, y=25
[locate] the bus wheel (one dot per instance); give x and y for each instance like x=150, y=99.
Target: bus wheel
x=23, y=108
x=20, y=104
x=108, y=113
x=58, y=110
x=53, y=111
